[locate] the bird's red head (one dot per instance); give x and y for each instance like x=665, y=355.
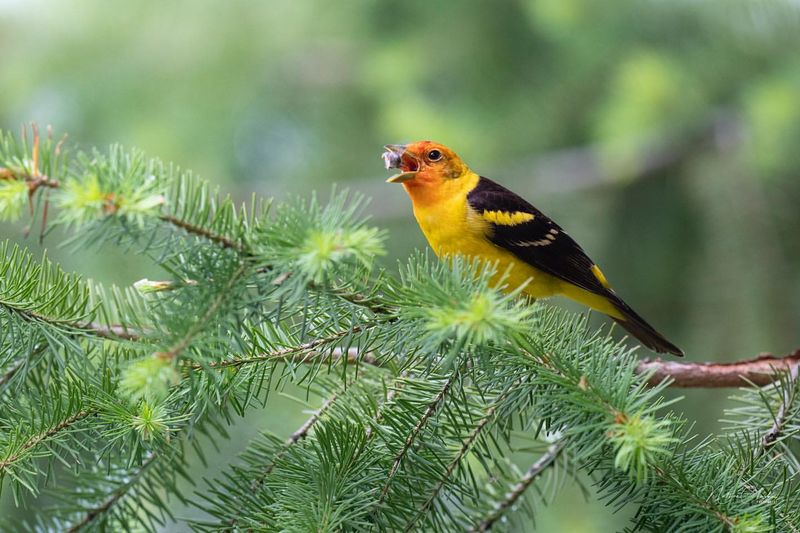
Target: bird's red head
x=423, y=164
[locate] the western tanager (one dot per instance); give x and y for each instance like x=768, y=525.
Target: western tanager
x=463, y=213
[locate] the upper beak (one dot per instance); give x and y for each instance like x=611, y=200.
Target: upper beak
x=392, y=158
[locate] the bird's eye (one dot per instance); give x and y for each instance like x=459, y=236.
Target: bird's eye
x=434, y=155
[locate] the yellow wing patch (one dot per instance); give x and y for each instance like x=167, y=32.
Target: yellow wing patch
x=600, y=277
x=506, y=218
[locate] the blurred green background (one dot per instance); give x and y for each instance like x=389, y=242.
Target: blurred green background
x=664, y=136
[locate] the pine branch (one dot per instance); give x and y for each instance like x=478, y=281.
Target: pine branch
x=212, y=309
x=466, y=445
x=113, y=331
x=12, y=370
x=34, y=177
x=394, y=390
x=303, y=353
x=302, y=433
x=35, y=180
x=43, y=437
x=430, y=410
x=296, y=436
x=197, y=231
x=511, y=497
x=763, y=370
x=260, y=289
x=96, y=329
x=707, y=504
x=39, y=292
x=293, y=439
x=96, y=512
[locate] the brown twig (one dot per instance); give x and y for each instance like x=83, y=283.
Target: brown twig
x=112, y=332
x=762, y=370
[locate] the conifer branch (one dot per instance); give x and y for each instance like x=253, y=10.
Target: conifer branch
x=34, y=178
x=197, y=231
x=762, y=370
x=303, y=431
x=430, y=410
x=19, y=364
x=12, y=370
x=96, y=329
x=315, y=261
x=358, y=299
x=112, y=332
x=789, y=396
x=706, y=504
x=303, y=353
x=35, y=181
x=394, y=389
x=176, y=349
x=511, y=497
x=466, y=445
x=296, y=436
x=39, y=438
x=116, y=495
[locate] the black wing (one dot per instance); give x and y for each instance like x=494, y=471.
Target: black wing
x=540, y=242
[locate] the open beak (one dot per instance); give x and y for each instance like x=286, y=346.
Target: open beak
x=393, y=158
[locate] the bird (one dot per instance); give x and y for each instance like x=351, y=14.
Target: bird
x=463, y=213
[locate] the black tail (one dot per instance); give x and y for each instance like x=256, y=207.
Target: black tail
x=639, y=328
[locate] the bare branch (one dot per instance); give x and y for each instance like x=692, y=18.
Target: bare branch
x=762, y=370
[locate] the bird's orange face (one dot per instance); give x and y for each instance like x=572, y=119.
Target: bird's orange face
x=423, y=164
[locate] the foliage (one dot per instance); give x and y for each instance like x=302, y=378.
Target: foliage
x=431, y=381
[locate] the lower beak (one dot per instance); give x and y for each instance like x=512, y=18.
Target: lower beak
x=403, y=176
